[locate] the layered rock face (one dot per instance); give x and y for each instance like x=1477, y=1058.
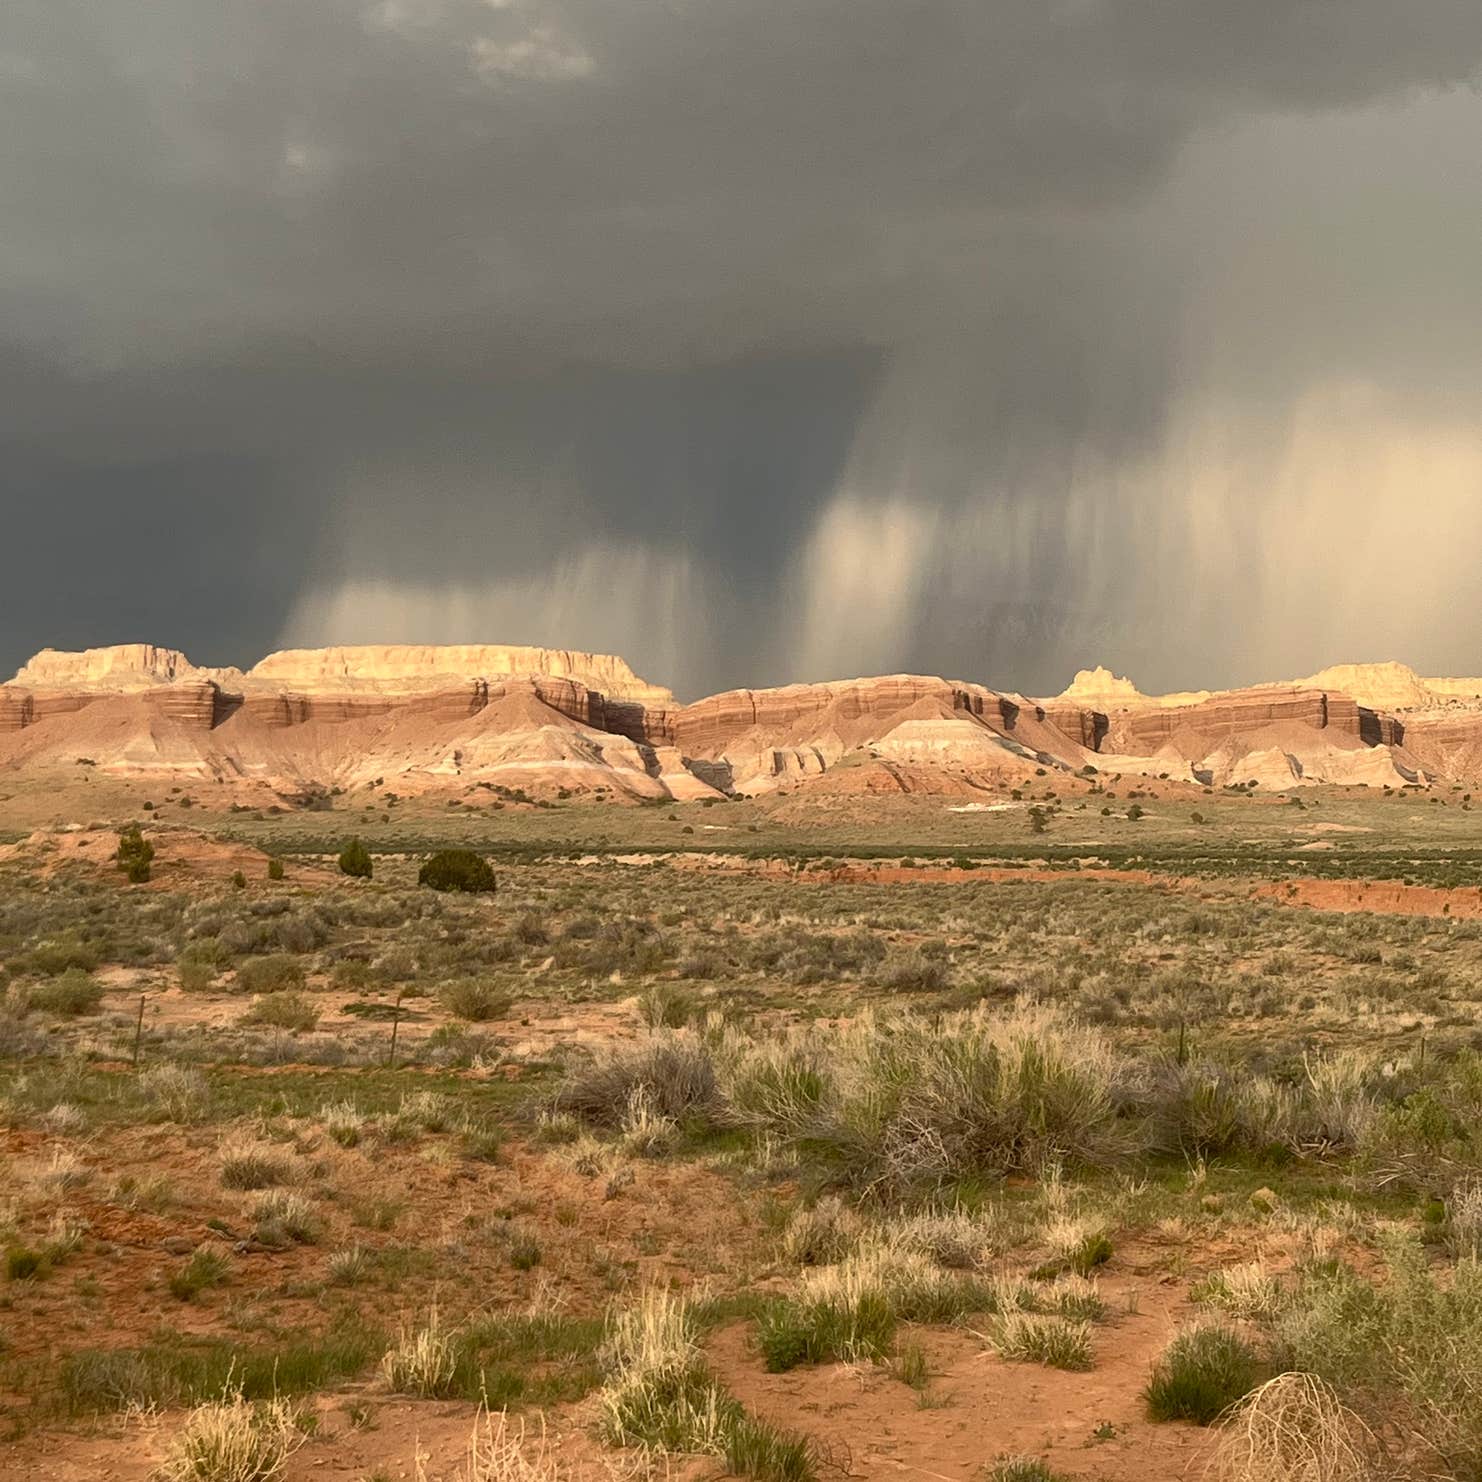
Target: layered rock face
x=127, y=666
x=544, y=719
x=398, y=668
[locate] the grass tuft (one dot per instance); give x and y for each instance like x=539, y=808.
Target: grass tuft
x=1203, y=1371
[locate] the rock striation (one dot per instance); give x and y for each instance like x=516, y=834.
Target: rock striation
x=425, y=717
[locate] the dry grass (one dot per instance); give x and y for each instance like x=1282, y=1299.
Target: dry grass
x=502, y=1450
x=1294, y=1428
x=232, y=1441
x=422, y=1360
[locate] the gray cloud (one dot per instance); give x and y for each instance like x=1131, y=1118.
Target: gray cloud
x=394, y=315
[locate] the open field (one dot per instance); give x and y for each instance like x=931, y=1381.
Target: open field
x=923, y=1143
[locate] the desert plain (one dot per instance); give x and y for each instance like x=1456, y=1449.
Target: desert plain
x=894, y=1078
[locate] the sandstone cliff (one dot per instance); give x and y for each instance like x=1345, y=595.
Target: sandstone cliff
x=430, y=717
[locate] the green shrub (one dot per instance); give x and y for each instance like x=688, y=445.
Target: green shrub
x=1409, y=1343
x=847, y=1325
x=524, y=1253
x=275, y=869
x=457, y=869
x=283, y=1011
x=279, y=972
x=1201, y=1373
x=355, y=861
x=206, y=1268
x=72, y=992
x=22, y=1262
x=665, y=1006
x=195, y=975
x=1023, y=1469
x=134, y=854
x=904, y=1104
x=474, y=1000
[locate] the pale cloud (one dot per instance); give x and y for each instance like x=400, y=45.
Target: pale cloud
x=540, y=55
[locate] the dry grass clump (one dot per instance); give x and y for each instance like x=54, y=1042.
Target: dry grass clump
x=344, y=1122
x=673, y=1069
x=821, y=1235
x=1056, y=1342
x=250, y=1164
x=955, y=1239
x=1247, y=1291
x=232, y=1441
x=422, y=1361
x=848, y=1312
x=1294, y=1428
x=503, y=1450
x=282, y=1218
x=644, y=1131
x=175, y=1093
x=661, y=1396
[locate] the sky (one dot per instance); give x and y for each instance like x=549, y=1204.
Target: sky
x=755, y=340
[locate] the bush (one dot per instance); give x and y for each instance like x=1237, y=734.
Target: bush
x=474, y=1000
x=665, y=1006
x=1023, y=1469
x=1407, y=1346
x=276, y=973
x=195, y=975
x=281, y=1218
x=355, y=861
x=913, y=971
x=206, y=1268
x=135, y=854
x=1204, y=1371
x=275, y=869
x=675, y=1072
x=283, y=1011
x=457, y=869
x=902, y=1104
x=73, y=992
x=1295, y=1427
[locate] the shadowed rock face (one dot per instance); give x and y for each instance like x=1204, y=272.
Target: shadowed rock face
x=547, y=718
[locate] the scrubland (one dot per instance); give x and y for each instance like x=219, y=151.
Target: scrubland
x=659, y=1162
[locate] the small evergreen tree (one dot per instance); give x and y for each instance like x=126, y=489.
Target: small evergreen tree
x=275, y=869
x=457, y=869
x=135, y=853
x=355, y=860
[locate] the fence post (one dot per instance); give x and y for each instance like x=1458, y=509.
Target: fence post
x=395, y=1025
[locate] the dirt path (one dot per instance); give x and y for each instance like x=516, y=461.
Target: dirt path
x=980, y=1408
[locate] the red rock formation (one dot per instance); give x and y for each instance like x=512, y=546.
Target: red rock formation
x=16, y=707
x=548, y=718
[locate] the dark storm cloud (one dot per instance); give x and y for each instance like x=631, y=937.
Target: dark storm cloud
x=324, y=296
